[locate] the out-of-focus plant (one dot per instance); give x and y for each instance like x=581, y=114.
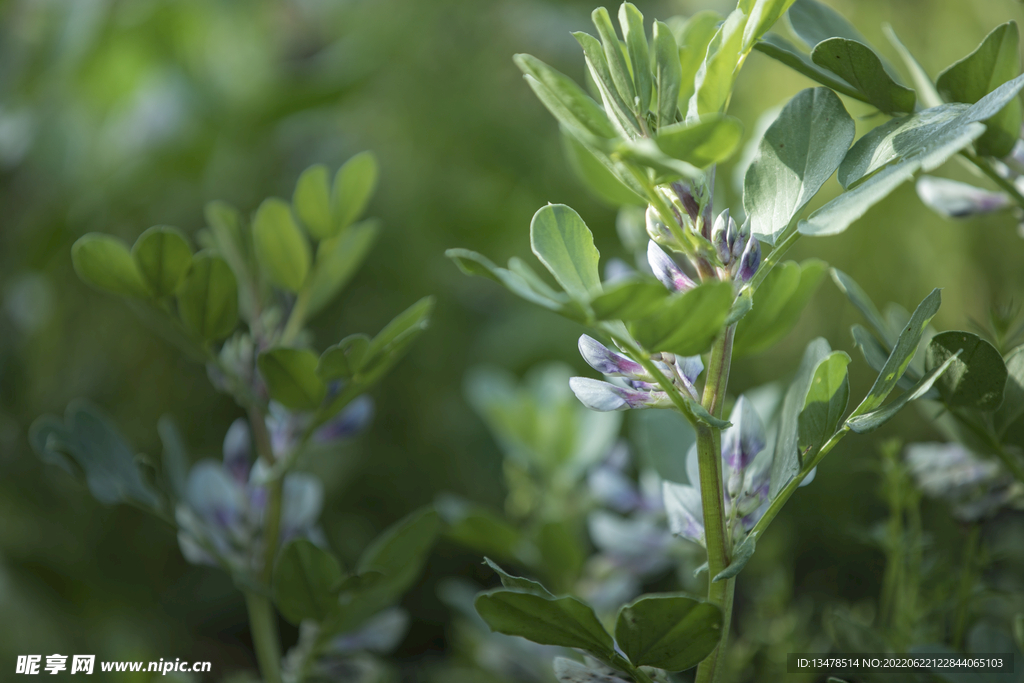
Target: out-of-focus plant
x=654, y=139
x=253, y=513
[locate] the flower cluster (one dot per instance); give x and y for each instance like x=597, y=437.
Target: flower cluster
x=746, y=470
x=975, y=487
x=639, y=388
x=221, y=518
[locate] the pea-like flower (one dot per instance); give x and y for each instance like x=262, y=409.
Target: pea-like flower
x=738, y=251
x=746, y=469
x=954, y=199
x=667, y=270
x=974, y=486
x=640, y=390
x=220, y=519
x=286, y=427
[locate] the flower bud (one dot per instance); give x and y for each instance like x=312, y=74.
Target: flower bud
x=667, y=270
x=606, y=397
x=750, y=260
x=738, y=237
x=686, y=197
x=607, y=362
x=721, y=234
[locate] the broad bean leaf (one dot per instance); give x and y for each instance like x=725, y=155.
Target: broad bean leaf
x=780, y=49
x=703, y=142
x=343, y=360
x=281, y=249
x=740, y=556
x=814, y=22
x=567, y=101
x=875, y=354
x=977, y=377
x=786, y=462
x=714, y=79
x=1013, y=397
x=312, y=202
x=354, y=184
x=596, y=174
x=858, y=65
x=87, y=445
x=667, y=74
x=518, y=583
x=799, y=152
x=565, y=621
x=629, y=300
x=929, y=136
x=615, y=57
x=688, y=321
x=859, y=298
x=391, y=343
x=337, y=260
x=668, y=631
x=291, y=378
x=565, y=245
x=924, y=148
x=208, y=298
x=693, y=40
x=163, y=258
x=306, y=582
x=826, y=402
x=632, y=23
x=622, y=116
x=994, y=62
x=777, y=305
x=871, y=420
x=902, y=353
x=105, y=263
x=761, y=16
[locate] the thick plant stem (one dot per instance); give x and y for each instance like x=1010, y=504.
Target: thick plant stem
x=709, y=455
x=263, y=624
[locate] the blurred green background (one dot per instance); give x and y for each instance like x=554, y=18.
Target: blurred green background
x=115, y=116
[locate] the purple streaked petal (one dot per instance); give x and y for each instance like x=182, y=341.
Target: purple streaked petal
x=607, y=362
x=667, y=270
x=684, y=511
x=349, y=422
x=689, y=367
x=742, y=441
x=954, y=199
x=750, y=261
x=606, y=397
x=238, y=450
x=686, y=197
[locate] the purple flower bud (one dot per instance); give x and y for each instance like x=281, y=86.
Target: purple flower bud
x=686, y=197
x=750, y=260
x=721, y=234
x=605, y=397
x=238, y=450
x=738, y=237
x=349, y=422
x=607, y=362
x=667, y=270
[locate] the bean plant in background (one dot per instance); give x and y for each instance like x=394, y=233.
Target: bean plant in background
x=720, y=289
x=254, y=513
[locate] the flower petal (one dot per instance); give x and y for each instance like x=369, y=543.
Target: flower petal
x=667, y=270
x=684, y=511
x=605, y=397
x=742, y=441
x=238, y=450
x=349, y=422
x=954, y=199
x=607, y=362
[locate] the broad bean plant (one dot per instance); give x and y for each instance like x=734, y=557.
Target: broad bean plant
x=240, y=305
x=714, y=286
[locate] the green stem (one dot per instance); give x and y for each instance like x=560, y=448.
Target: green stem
x=966, y=583
x=709, y=455
x=263, y=625
x=794, y=484
x=773, y=258
x=986, y=168
x=296, y=318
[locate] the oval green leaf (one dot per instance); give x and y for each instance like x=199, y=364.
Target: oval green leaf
x=163, y=258
x=291, y=378
x=976, y=379
x=565, y=245
x=105, y=263
x=306, y=581
x=208, y=299
x=353, y=186
x=668, y=631
x=312, y=202
x=281, y=249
